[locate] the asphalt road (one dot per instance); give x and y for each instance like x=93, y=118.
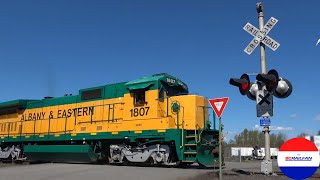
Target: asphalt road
x=55, y=171
x=94, y=172
x=247, y=170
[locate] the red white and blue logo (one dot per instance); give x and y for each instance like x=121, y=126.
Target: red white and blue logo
x=298, y=158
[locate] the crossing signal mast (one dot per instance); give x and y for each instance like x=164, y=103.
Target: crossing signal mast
x=267, y=84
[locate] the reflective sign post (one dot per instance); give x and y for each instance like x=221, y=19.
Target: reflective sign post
x=220, y=149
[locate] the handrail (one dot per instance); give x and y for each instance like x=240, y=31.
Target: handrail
x=182, y=135
x=8, y=133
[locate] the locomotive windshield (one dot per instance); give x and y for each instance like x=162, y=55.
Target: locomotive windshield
x=175, y=91
x=165, y=83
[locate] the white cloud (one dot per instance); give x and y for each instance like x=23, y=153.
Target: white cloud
x=280, y=128
x=233, y=132
x=274, y=128
x=293, y=116
x=317, y=118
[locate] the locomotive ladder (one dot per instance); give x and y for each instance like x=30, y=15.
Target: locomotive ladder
x=190, y=147
x=193, y=137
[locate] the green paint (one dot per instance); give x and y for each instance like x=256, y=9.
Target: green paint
x=155, y=82
x=205, y=157
x=139, y=85
x=204, y=147
x=60, y=153
x=15, y=103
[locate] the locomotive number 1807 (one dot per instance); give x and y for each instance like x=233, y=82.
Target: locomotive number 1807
x=139, y=111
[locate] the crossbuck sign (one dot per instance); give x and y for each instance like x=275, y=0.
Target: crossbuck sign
x=261, y=36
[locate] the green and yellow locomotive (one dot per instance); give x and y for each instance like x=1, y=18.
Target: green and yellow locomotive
x=152, y=120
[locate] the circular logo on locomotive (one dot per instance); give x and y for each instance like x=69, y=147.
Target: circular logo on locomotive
x=175, y=107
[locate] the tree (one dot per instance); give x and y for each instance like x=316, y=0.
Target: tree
x=280, y=139
x=251, y=138
x=302, y=135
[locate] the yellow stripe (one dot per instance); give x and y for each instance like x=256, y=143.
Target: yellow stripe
x=114, y=132
x=138, y=132
x=41, y=135
x=2, y=137
x=14, y=136
x=27, y=136
x=73, y=134
x=93, y=134
x=56, y=135
x=161, y=130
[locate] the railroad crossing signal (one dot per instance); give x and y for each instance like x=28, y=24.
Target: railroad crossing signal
x=261, y=36
x=275, y=86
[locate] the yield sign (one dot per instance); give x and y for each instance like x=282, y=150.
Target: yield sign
x=218, y=105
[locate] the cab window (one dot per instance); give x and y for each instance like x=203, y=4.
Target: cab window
x=175, y=91
x=140, y=97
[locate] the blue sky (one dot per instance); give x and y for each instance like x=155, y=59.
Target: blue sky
x=57, y=47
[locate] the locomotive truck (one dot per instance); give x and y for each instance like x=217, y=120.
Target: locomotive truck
x=150, y=120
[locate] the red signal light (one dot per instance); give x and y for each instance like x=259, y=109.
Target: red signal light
x=243, y=83
x=244, y=86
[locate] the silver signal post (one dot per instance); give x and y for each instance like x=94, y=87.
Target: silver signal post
x=266, y=164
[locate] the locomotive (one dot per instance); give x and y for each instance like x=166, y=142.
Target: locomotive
x=152, y=120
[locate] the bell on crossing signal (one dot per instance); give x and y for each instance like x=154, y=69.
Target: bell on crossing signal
x=243, y=83
x=270, y=80
x=279, y=87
